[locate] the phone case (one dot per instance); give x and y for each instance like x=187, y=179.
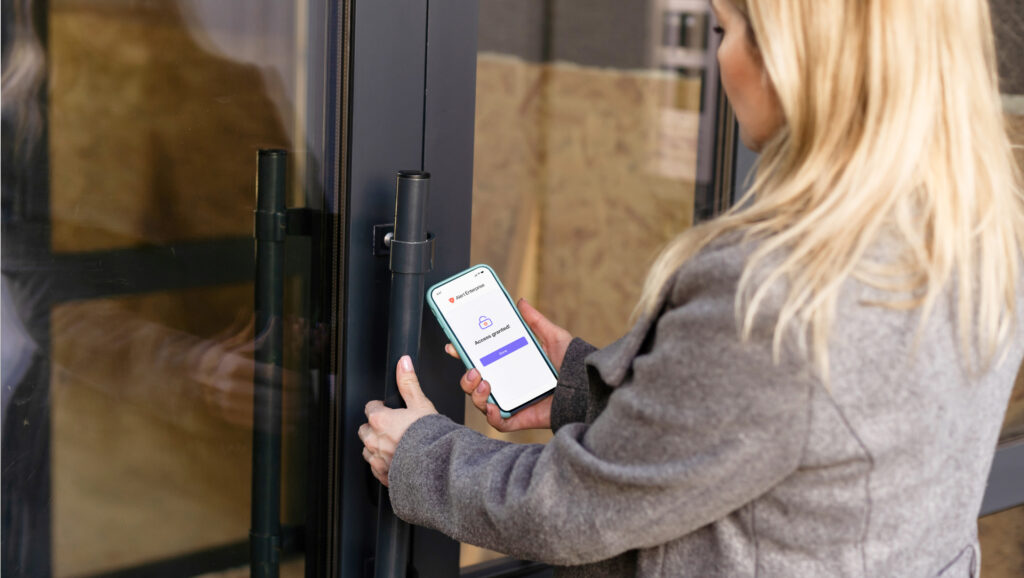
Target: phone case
x=462, y=354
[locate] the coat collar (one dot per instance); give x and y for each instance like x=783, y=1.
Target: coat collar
x=614, y=362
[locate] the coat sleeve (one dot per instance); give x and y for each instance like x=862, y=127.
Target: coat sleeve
x=573, y=390
x=702, y=425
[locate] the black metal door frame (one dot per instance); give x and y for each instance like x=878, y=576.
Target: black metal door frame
x=410, y=84
x=410, y=73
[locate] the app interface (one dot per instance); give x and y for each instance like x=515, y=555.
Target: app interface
x=489, y=330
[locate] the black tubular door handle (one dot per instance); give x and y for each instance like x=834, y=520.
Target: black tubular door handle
x=411, y=259
x=270, y=231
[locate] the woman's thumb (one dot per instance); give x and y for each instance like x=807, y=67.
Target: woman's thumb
x=409, y=384
x=535, y=319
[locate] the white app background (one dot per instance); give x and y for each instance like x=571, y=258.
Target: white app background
x=484, y=321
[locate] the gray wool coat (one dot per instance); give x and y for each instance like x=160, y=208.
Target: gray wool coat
x=681, y=451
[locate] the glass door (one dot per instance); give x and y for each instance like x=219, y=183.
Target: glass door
x=409, y=72
x=130, y=139
x=538, y=133
x=594, y=146
x=1001, y=527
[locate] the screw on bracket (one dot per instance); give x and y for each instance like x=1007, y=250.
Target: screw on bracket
x=382, y=235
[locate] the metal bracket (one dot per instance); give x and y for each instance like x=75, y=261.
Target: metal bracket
x=406, y=257
x=270, y=226
x=412, y=257
x=275, y=226
x=382, y=247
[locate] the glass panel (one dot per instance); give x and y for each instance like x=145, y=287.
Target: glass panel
x=152, y=413
x=585, y=155
x=157, y=110
x=130, y=133
x=1009, y=28
x=1002, y=537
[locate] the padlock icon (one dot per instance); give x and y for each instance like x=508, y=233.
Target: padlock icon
x=484, y=322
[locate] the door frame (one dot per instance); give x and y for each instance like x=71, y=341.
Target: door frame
x=409, y=104
x=409, y=74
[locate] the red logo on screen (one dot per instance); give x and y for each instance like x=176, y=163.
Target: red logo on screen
x=451, y=300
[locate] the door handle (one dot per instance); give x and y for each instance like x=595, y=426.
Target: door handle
x=412, y=257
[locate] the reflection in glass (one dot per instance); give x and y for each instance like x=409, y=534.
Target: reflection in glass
x=130, y=139
x=587, y=116
x=152, y=410
x=157, y=112
x=1013, y=104
x=1008, y=22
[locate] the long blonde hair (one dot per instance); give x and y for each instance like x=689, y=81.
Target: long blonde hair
x=893, y=124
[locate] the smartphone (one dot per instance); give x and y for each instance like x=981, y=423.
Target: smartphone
x=481, y=321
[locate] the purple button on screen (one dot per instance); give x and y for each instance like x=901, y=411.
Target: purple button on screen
x=496, y=355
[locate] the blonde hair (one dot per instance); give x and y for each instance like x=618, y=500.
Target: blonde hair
x=893, y=125
x=23, y=74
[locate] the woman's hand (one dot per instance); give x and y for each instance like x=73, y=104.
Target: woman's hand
x=223, y=367
x=554, y=340
x=386, y=426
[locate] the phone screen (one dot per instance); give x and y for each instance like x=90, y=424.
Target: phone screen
x=488, y=328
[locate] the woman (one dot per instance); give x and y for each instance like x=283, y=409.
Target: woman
x=817, y=378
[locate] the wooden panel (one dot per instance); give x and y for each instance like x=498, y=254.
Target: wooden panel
x=153, y=132
x=580, y=176
x=1002, y=544
x=1013, y=425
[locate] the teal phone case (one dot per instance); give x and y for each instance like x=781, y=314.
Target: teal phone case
x=455, y=342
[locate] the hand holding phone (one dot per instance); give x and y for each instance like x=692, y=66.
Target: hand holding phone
x=536, y=416
x=491, y=336
x=554, y=341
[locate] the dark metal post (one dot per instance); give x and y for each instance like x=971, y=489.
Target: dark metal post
x=270, y=230
x=411, y=259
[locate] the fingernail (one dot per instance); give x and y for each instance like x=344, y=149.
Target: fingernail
x=473, y=374
x=406, y=363
x=480, y=388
